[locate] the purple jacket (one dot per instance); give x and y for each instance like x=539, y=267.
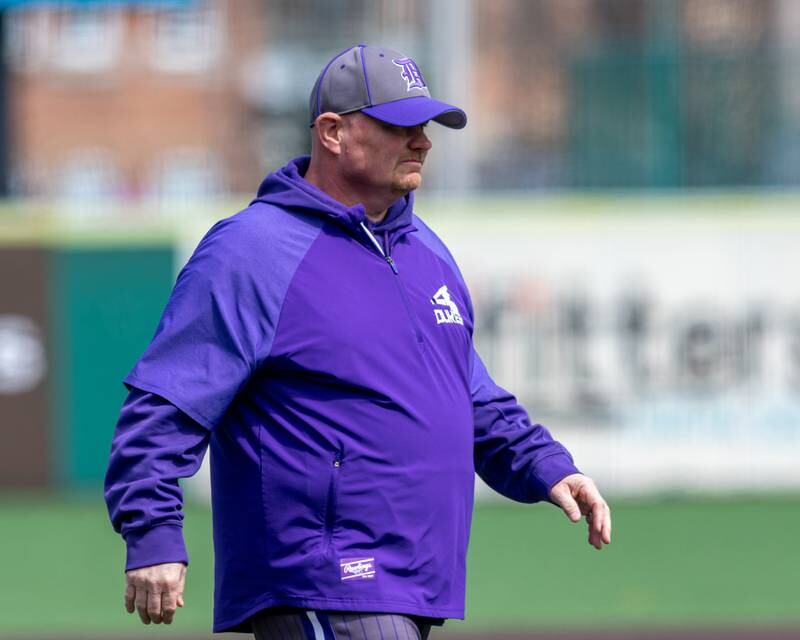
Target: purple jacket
x=329, y=364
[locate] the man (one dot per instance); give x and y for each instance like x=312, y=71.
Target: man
x=320, y=342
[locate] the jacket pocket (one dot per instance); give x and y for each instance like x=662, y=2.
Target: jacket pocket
x=329, y=515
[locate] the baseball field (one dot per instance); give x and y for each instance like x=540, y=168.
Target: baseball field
x=678, y=568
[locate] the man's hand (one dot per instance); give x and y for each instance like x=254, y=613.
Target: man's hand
x=155, y=592
x=577, y=494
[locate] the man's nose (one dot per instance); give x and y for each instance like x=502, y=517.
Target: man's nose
x=419, y=140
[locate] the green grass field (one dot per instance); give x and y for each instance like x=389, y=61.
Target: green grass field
x=688, y=563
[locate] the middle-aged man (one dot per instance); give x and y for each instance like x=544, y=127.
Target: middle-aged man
x=320, y=341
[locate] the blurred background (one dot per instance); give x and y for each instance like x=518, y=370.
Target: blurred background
x=625, y=206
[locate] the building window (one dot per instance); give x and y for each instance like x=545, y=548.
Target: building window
x=187, y=40
x=184, y=176
x=88, y=39
x=90, y=181
x=27, y=35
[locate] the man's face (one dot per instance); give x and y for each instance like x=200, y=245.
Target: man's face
x=379, y=156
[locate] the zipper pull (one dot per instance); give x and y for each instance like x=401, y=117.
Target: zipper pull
x=337, y=460
x=392, y=265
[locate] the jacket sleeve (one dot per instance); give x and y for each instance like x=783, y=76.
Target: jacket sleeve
x=208, y=341
x=154, y=444
x=516, y=458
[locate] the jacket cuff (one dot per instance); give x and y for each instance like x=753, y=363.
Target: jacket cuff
x=161, y=544
x=548, y=471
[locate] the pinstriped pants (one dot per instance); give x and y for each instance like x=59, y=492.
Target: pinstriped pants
x=316, y=625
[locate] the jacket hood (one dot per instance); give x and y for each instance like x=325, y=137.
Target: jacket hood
x=286, y=188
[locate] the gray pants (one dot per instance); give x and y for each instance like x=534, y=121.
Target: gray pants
x=317, y=625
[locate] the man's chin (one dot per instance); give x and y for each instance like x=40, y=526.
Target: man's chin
x=407, y=183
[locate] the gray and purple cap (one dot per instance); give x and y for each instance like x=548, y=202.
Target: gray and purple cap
x=383, y=84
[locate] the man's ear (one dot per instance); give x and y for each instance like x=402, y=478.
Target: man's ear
x=328, y=129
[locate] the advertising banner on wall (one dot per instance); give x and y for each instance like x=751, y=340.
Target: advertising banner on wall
x=73, y=320
x=662, y=348
x=25, y=453
x=105, y=305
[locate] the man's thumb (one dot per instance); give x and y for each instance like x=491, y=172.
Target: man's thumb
x=563, y=498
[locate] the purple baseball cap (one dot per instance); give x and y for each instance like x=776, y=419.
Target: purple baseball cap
x=382, y=83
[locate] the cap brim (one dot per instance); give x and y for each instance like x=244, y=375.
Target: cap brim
x=410, y=112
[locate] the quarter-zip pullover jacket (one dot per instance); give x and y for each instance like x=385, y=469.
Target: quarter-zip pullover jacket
x=329, y=365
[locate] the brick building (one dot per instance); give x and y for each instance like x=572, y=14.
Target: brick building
x=127, y=102
x=114, y=103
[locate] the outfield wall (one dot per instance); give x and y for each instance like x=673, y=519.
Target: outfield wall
x=74, y=315
x=658, y=336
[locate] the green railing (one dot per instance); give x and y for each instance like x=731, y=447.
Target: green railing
x=672, y=118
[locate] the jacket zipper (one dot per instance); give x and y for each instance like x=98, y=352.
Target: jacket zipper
x=403, y=295
x=330, y=503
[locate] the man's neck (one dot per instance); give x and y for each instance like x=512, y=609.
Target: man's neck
x=375, y=207
x=376, y=218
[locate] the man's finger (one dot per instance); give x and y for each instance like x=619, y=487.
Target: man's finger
x=594, y=535
x=168, y=606
x=141, y=604
x=154, y=606
x=599, y=521
x=598, y=512
x=606, y=530
x=594, y=540
x=130, y=595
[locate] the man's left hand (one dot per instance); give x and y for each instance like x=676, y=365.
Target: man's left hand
x=577, y=494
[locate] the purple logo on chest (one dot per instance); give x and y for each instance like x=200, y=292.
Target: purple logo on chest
x=411, y=73
x=355, y=568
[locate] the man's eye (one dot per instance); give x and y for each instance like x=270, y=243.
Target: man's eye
x=400, y=131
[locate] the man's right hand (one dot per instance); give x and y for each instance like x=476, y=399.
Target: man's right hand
x=155, y=592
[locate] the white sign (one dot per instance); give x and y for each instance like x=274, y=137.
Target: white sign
x=23, y=361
